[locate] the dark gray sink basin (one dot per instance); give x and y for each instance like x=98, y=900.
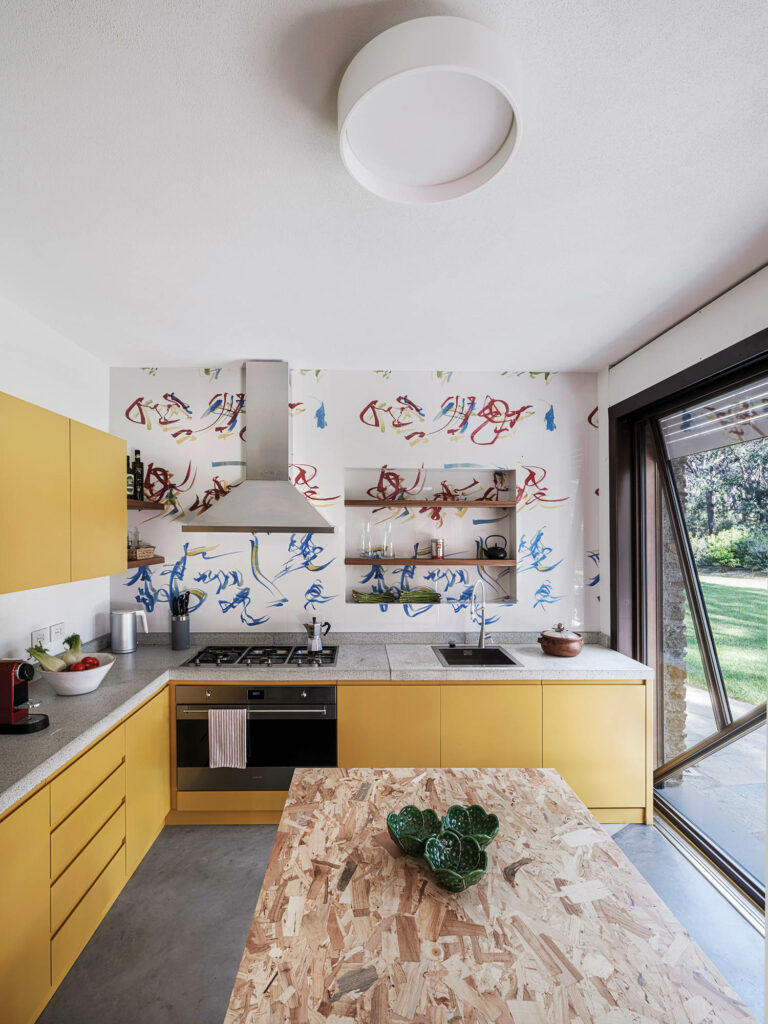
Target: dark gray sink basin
x=474, y=657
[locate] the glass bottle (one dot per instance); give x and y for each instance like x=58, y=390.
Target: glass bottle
x=386, y=548
x=138, y=476
x=366, y=544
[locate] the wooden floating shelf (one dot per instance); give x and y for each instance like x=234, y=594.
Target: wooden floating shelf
x=135, y=563
x=425, y=503
x=431, y=561
x=149, y=506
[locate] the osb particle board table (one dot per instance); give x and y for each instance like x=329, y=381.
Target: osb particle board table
x=562, y=928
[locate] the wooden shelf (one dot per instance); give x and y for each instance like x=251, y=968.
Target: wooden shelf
x=135, y=563
x=431, y=561
x=149, y=506
x=423, y=503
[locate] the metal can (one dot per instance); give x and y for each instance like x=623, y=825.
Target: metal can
x=438, y=547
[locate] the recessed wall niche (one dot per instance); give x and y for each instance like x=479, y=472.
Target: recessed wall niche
x=393, y=515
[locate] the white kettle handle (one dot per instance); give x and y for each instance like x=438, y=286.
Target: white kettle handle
x=143, y=616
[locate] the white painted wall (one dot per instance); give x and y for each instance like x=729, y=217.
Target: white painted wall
x=731, y=318
x=41, y=366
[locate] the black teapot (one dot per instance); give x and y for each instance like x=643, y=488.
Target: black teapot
x=495, y=551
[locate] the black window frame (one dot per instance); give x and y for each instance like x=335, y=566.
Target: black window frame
x=632, y=424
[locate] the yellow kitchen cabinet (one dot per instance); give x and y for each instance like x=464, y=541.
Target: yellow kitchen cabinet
x=73, y=936
x=34, y=508
x=491, y=726
x=148, y=776
x=25, y=971
x=99, y=517
x=395, y=726
x=595, y=735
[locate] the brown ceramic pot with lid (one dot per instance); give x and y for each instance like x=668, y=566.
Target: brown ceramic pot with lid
x=561, y=642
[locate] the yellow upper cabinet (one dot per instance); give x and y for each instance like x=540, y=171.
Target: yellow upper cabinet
x=63, y=505
x=491, y=725
x=34, y=504
x=98, y=503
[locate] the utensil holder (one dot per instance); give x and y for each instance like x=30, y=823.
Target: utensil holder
x=180, y=632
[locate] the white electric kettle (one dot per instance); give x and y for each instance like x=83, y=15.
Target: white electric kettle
x=124, y=629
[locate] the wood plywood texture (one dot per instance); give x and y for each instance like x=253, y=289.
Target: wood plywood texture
x=562, y=928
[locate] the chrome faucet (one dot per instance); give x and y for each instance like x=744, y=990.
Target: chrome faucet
x=473, y=609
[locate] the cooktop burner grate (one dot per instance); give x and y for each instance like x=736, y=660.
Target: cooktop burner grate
x=262, y=656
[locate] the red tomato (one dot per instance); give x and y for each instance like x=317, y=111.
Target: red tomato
x=91, y=662
x=77, y=667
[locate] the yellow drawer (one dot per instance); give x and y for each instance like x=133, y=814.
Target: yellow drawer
x=86, y=773
x=86, y=867
x=71, y=938
x=81, y=826
x=226, y=800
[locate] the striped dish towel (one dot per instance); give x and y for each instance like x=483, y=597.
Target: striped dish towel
x=226, y=737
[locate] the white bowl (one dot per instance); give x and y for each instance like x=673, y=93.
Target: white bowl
x=68, y=684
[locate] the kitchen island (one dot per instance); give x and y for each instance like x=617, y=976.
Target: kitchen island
x=561, y=928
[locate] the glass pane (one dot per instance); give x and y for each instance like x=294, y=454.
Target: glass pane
x=724, y=796
x=719, y=457
x=688, y=715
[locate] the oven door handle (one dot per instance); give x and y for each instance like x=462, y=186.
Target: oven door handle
x=253, y=712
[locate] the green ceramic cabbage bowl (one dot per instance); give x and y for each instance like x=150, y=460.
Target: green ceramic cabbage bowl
x=472, y=821
x=410, y=828
x=456, y=861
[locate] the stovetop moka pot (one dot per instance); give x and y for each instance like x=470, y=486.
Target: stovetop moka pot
x=315, y=633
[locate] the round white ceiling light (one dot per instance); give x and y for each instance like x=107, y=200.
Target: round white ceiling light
x=426, y=110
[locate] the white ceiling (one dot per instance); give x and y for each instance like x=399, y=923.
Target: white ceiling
x=171, y=190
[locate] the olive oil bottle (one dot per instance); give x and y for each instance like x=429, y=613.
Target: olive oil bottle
x=138, y=476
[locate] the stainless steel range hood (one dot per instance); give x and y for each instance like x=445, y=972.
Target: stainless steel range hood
x=266, y=501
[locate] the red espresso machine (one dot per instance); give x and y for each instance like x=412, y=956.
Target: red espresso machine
x=15, y=677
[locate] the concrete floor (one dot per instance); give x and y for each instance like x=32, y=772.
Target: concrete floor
x=730, y=942
x=168, y=950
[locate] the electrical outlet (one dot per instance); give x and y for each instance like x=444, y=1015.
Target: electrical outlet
x=57, y=635
x=41, y=637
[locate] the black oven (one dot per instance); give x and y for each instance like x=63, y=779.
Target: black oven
x=288, y=727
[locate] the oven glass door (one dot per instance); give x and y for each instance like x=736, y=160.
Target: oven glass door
x=278, y=740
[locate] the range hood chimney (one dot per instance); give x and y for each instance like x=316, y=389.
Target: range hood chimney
x=266, y=501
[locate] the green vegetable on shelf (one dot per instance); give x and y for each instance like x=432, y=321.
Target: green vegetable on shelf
x=48, y=661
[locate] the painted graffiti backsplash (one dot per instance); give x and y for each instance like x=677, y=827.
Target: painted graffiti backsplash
x=357, y=432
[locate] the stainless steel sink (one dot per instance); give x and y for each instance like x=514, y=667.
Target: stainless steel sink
x=474, y=657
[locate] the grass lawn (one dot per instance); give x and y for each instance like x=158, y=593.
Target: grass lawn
x=738, y=610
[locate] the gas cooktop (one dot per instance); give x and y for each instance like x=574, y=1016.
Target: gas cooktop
x=263, y=656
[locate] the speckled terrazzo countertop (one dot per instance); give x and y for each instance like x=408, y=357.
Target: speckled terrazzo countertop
x=27, y=761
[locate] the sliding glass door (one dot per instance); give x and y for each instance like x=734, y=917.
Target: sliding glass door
x=701, y=483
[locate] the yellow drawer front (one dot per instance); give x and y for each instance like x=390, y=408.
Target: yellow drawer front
x=87, y=866
x=594, y=735
x=72, y=937
x=487, y=726
x=83, y=776
x=225, y=800
x=79, y=828
x=390, y=726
